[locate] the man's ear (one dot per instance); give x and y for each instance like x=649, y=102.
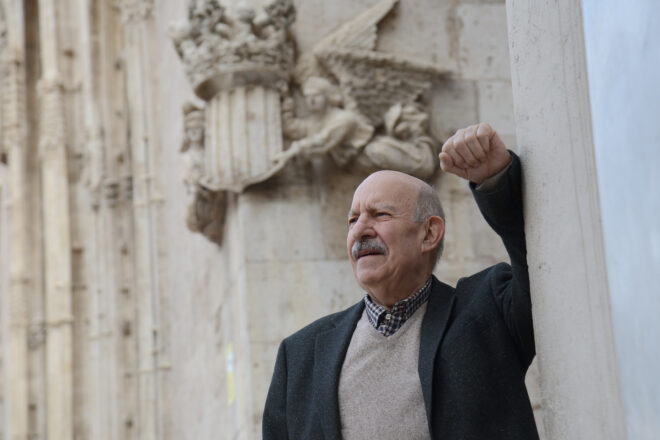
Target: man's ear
x=435, y=230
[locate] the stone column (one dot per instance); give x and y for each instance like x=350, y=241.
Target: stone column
x=14, y=140
x=57, y=234
x=96, y=410
x=141, y=84
x=572, y=321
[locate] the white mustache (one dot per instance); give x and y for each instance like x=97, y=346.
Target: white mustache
x=370, y=244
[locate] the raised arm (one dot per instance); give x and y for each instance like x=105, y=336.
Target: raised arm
x=477, y=154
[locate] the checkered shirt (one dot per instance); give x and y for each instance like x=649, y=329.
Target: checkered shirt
x=387, y=322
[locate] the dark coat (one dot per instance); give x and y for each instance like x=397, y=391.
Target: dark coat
x=476, y=345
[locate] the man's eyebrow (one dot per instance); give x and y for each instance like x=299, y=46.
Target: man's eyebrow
x=371, y=208
x=380, y=206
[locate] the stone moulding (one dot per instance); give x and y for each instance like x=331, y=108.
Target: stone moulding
x=361, y=107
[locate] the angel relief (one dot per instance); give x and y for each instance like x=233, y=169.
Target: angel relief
x=361, y=105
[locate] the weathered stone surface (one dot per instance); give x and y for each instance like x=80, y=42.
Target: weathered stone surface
x=496, y=107
x=483, y=49
x=454, y=104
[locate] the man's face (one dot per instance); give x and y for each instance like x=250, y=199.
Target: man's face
x=384, y=243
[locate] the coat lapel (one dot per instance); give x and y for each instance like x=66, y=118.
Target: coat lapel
x=441, y=302
x=329, y=354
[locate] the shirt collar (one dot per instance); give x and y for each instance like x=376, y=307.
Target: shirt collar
x=389, y=321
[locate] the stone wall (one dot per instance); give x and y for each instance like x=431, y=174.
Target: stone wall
x=174, y=336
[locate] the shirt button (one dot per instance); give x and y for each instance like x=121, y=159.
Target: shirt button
x=388, y=316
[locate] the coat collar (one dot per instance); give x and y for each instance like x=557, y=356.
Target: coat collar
x=329, y=353
x=441, y=302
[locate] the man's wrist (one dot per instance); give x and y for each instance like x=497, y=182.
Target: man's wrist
x=493, y=181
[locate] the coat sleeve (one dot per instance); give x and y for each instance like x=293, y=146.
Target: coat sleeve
x=274, y=420
x=502, y=207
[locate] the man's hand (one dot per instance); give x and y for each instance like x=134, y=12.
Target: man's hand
x=474, y=153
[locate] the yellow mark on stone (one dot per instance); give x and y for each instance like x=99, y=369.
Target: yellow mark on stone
x=231, y=378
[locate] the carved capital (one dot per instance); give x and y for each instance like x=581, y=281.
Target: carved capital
x=135, y=11
x=52, y=124
x=222, y=52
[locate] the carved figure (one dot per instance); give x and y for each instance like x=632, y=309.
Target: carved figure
x=193, y=145
x=244, y=24
x=405, y=146
x=369, y=88
x=206, y=214
x=330, y=128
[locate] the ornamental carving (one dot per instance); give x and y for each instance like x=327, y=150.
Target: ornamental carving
x=135, y=11
x=360, y=107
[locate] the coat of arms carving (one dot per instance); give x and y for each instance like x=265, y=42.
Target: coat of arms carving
x=361, y=107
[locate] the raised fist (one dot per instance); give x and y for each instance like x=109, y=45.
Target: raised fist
x=474, y=153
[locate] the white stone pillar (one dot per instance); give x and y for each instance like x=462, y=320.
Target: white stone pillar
x=572, y=321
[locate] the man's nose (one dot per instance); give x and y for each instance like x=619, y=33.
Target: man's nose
x=363, y=228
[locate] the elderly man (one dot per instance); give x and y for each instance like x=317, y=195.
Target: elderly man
x=416, y=358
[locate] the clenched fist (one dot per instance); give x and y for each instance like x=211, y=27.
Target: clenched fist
x=474, y=153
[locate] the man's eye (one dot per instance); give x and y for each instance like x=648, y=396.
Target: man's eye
x=382, y=214
x=352, y=220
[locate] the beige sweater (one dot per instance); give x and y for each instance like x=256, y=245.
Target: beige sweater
x=380, y=395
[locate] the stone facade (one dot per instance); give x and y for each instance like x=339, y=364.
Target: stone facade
x=119, y=320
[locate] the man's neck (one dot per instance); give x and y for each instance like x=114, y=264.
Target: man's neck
x=388, y=297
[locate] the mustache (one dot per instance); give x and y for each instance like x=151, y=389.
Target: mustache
x=369, y=245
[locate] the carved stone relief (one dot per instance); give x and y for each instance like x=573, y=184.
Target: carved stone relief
x=360, y=107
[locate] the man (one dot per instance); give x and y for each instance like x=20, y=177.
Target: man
x=418, y=359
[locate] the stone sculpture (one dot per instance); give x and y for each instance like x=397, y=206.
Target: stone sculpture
x=330, y=129
x=370, y=85
x=360, y=106
x=193, y=145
